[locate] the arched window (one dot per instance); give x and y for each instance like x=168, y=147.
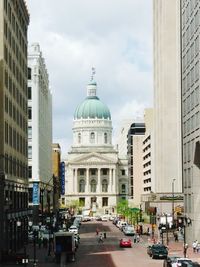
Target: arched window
x=105, y=138
x=92, y=137
x=123, y=189
x=79, y=138
x=81, y=185
x=104, y=186
x=93, y=186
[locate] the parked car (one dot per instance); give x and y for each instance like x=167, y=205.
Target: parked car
x=129, y=230
x=169, y=260
x=125, y=243
x=104, y=218
x=157, y=251
x=182, y=262
x=73, y=229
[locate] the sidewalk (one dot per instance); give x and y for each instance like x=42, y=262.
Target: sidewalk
x=175, y=248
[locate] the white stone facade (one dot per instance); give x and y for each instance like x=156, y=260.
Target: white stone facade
x=95, y=176
x=167, y=96
x=40, y=119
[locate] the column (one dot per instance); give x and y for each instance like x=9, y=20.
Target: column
x=99, y=181
x=115, y=188
x=75, y=181
x=110, y=187
x=87, y=186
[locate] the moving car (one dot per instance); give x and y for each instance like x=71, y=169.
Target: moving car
x=157, y=251
x=125, y=243
x=129, y=230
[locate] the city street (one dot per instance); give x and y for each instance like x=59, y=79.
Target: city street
x=106, y=254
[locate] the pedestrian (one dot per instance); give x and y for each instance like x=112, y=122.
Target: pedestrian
x=194, y=246
x=198, y=248
x=135, y=238
x=175, y=237
x=39, y=242
x=100, y=240
x=104, y=234
x=138, y=238
x=185, y=247
x=97, y=231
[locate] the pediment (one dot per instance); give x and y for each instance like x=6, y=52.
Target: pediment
x=93, y=158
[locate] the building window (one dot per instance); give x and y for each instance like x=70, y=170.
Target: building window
x=30, y=152
x=105, y=138
x=93, y=186
x=81, y=186
x=79, y=138
x=92, y=138
x=104, y=186
x=123, y=189
x=29, y=113
x=29, y=172
x=105, y=171
x=123, y=172
x=29, y=93
x=29, y=132
x=104, y=202
x=93, y=172
x=82, y=172
x=29, y=73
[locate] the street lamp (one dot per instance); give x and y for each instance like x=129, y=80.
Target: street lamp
x=173, y=201
x=185, y=222
x=30, y=223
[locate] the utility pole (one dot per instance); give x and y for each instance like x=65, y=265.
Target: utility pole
x=173, y=201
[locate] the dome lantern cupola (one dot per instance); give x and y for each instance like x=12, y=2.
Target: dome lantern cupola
x=92, y=107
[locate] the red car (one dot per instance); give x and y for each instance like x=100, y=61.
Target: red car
x=125, y=243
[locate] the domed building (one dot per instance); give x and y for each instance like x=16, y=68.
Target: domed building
x=94, y=176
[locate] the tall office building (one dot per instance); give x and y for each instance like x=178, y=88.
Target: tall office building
x=167, y=96
x=39, y=134
x=190, y=11
x=14, y=20
x=135, y=162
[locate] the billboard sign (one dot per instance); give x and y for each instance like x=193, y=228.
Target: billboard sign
x=35, y=193
x=62, y=177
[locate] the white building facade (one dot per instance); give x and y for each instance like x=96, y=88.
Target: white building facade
x=39, y=125
x=95, y=175
x=167, y=96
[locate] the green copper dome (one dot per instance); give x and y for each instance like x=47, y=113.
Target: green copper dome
x=92, y=108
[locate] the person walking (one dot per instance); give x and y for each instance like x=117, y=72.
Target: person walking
x=100, y=240
x=97, y=231
x=194, y=246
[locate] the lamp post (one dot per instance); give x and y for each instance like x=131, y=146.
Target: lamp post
x=42, y=203
x=30, y=223
x=186, y=222
x=18, y=227
x=173, y=201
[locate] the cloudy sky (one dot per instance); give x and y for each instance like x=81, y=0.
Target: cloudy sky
x=114, y=36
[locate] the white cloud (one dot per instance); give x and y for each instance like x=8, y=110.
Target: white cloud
x=115, y=36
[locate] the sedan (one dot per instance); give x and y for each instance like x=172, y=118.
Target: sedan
x=125, y=243
x=73, y=229
x=182, y=262
x=169, y=260
x=157, y=251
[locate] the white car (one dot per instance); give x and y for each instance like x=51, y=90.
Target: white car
x=179, y=262
x=73, y=229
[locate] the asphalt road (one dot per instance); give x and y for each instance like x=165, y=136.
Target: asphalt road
x=93, y=254
x=108, y=254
